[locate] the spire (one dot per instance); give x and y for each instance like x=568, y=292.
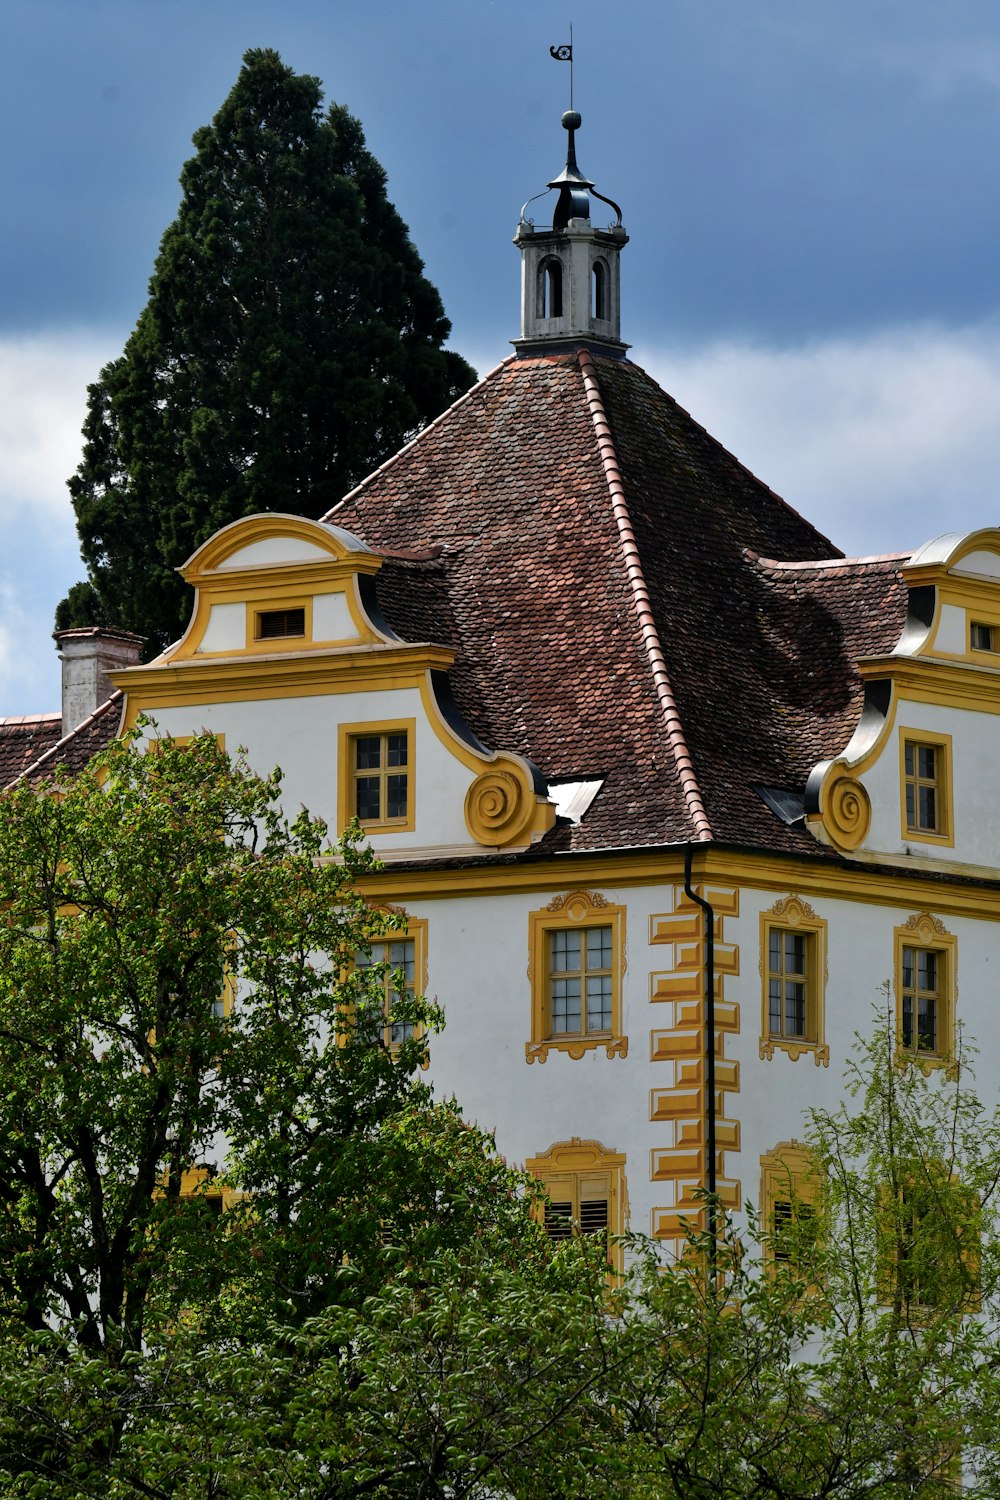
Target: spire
x=570, y=277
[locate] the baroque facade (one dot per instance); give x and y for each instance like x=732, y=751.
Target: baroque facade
x=667, y=786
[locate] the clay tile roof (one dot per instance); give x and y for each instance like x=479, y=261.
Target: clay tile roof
x=625, y=599
x=73, y=752
x=23, y=740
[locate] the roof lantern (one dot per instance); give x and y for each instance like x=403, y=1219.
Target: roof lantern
x=570, y=276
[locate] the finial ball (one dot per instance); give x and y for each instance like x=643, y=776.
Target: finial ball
x=572, y=119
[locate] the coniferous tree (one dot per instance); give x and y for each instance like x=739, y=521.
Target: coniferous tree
x=290, y=344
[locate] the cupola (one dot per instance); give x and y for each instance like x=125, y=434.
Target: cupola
x=570, y=278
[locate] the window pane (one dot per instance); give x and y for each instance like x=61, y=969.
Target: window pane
x=402, y=955
x=396, y=796
x=927, y=966
x=367, y=752
x=774, y=1006
x=368, y=799
x=927, y=1024
x=927, y=802
x=565, y=952
x=795, y=953
x=926, y=761
x=911, y=805
x=795, y=1010
x=599, y=1002
x=566, y=1014
x=908, y=968
x=907, y=1021
x=599, y=948
x=908, y=757
x=774, y=950
x=396, y=750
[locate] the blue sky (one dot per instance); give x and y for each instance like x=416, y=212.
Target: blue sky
x=810, y=189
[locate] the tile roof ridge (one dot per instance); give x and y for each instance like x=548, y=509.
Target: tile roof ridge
x=116, y=697
x=827, y=564
x=10, y=720
x=473, y=389
x=643, y=604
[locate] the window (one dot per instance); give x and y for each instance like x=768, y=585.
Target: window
x=273, y=624
x=377, y=771
x=222, y=1005
x=199, y=1184
x=283, y=624
x=793, y=973
x=576, y=958
x=929, y=1239
x=984, y=637
x=585, y=1186
x=398, y=982
x=925, y=989
x=600, y=290
x=405, y=955
x=789, y=1204
x=926, y=779
x=580, y=964
x=550, y=289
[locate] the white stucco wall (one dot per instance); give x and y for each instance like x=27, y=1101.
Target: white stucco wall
x=301, y=736
x=975, y=818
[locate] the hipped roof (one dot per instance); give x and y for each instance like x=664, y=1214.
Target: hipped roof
x=626, y=601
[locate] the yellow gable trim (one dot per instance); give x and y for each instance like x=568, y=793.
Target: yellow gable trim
x=264, y=527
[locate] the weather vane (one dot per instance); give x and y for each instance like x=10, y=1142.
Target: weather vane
x=565, y=54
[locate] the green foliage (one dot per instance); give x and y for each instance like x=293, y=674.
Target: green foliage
x=379, y=1312
x=131, y=895
x=290, y=344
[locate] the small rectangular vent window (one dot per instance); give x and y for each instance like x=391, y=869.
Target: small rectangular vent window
x=278, y=624
x=983, y=637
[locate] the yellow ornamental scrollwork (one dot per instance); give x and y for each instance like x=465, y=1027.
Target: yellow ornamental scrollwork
x=846, y=809
x=502, y=808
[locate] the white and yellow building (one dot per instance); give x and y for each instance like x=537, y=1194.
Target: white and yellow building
x=667, y=787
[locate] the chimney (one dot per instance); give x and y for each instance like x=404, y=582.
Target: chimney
x=87, y=656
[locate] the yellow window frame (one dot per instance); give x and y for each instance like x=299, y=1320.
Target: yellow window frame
x=793, y=915
x=347, y=778
x=415, y=932
x=924, y=932
x=279, y=605
x=790, y=1189
x=941, y=782
x=577, y=911
x=576, y=1173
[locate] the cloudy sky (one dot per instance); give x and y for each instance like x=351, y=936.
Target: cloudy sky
x=810, y=187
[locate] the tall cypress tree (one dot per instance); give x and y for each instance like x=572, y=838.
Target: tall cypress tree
x=290, y=344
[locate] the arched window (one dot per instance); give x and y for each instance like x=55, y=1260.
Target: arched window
x=599, y=290
x=550, y=289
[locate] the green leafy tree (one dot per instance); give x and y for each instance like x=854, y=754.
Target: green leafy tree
x=290, y=344
x=377, y=1312
x=184, y=1029
x=850, y=1351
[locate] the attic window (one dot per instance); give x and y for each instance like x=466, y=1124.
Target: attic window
x=278, y=624
x=984, y=637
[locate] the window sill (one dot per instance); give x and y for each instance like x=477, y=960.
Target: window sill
x=575, y=1046
x=927, y=1062
x=794, y=1050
